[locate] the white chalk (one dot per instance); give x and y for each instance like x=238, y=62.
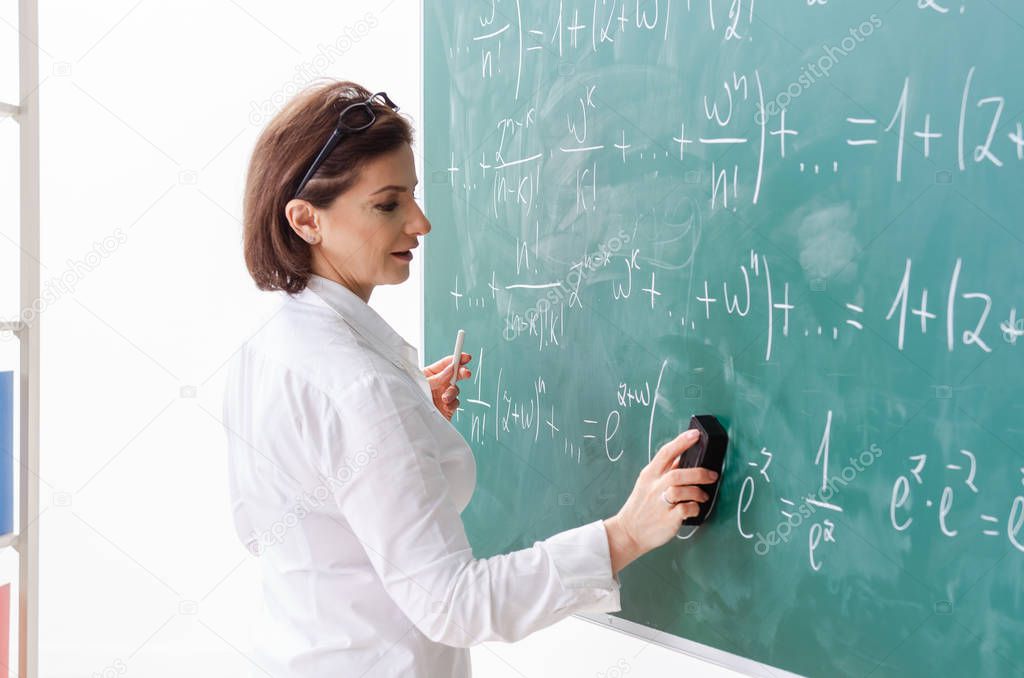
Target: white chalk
x=457, y=355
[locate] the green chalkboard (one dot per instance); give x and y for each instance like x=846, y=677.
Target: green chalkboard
x=802, y=216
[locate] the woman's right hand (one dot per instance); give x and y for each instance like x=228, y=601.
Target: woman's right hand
x=646, y=520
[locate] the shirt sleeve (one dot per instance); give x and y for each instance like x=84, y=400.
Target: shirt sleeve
x=398, y=505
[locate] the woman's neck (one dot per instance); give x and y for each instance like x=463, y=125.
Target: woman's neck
x=323, y=268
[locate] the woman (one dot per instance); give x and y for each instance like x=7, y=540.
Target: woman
x=347, y=479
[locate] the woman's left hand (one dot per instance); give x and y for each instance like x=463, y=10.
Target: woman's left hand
x=439, y=376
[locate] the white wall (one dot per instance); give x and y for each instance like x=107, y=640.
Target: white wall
x=148, y=119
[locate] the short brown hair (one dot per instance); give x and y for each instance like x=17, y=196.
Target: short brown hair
x=277, y=258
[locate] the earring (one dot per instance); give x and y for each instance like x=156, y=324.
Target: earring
x=312, y=239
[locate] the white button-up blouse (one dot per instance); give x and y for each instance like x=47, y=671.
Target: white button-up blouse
x=347, y=483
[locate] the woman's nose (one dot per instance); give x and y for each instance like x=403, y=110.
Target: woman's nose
x=420, y=224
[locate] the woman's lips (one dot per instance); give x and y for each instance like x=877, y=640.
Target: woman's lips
x=404, y=256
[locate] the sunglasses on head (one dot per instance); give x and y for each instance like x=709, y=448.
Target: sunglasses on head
x=354, y=118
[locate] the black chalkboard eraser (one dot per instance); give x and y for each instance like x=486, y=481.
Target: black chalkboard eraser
x=708, y=452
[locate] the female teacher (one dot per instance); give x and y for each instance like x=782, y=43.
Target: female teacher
x=346, y=477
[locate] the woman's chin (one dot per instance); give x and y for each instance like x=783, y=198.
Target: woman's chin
x=395, y=276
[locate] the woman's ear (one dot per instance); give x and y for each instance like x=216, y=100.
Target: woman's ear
x=301, y=217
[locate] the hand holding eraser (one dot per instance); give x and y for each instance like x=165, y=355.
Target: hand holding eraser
x=708, y=452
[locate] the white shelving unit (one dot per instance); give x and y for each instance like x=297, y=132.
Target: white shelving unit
x=26, y=540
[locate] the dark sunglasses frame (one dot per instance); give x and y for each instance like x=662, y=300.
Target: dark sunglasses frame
x=380, y=98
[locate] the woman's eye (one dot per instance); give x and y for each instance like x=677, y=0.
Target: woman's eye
x=387, y=207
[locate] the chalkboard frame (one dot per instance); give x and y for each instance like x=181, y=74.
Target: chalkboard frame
x=713, y=655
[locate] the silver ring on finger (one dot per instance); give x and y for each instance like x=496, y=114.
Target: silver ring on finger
x=665, y=498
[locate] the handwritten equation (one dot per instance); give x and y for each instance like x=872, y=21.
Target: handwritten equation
x=599, y=151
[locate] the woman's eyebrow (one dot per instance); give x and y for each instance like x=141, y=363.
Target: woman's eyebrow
x=396, y=187
x=390, y=187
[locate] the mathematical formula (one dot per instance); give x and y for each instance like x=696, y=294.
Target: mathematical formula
x=593, y=185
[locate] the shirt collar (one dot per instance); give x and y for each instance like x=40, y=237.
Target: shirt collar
x=361, y=316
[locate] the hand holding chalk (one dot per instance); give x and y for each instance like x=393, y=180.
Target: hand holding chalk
x=443, y=389
x=457, y=355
